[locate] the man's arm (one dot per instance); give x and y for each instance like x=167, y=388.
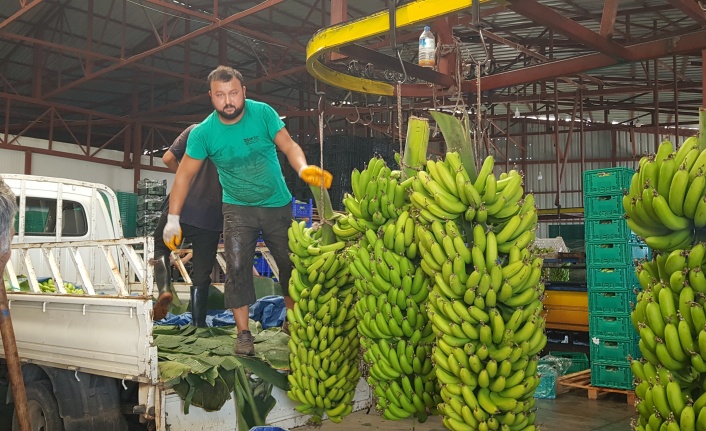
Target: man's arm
x=312, y=175
x=182, y=181
x=171, y=161
x=291, y=149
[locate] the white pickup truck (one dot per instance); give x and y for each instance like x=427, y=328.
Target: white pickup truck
x=89, y=361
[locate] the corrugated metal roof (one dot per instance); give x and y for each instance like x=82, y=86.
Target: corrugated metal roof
x=254, y=45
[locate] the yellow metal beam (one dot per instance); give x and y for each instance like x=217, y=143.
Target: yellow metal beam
x=330, y=38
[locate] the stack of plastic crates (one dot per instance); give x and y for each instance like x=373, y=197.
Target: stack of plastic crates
x=151, y=195
x=127, y=203
x=611, y=250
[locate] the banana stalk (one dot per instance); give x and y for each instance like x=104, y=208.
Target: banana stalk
x=325, y=210
x=457, y=139
x=416, y=144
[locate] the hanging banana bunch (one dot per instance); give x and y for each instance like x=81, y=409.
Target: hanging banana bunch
x=324, y=342
x=378, y=195
x=485, y=304
x=666, y=200
x=395, y=332
x=666, y=205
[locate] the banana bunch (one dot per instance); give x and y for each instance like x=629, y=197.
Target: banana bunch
x=378, y=195
x=669, y=315
x=443, y=191
x=346, y=228
x=667, y=196
x=324, y=343
x=489, y=327
x=395, y=331
x=665, y=399
x=485, y=304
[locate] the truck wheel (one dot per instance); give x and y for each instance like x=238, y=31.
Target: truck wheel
x=42, y=407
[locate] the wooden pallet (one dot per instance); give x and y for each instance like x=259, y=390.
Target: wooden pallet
x=582, y=380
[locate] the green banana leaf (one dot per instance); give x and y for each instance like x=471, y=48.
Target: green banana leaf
x=200, y=365
x=458, y=138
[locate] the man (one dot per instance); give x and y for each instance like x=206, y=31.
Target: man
x=241, y=137
x=8, y=208
x=201, y=222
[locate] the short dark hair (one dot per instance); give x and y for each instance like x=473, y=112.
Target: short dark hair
x=224, y=74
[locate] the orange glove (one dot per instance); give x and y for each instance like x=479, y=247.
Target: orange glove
x=313, y=175
x=171, y=235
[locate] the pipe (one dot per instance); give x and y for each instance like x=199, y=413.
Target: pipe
x=12, y=358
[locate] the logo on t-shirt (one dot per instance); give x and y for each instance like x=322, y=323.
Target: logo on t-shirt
x=251, y=140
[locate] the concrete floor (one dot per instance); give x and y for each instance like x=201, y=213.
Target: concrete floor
x=571, y=411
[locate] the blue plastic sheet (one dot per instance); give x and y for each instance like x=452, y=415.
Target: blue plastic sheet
x=270, y=311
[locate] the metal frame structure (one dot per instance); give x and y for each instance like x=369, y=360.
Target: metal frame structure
x=129, y=75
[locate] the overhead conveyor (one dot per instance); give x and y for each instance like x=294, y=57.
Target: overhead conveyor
x=343, y=38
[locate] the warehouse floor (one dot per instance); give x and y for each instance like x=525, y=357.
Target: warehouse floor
x=568, y=412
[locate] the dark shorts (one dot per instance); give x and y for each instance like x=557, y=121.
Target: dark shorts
x=241, y=229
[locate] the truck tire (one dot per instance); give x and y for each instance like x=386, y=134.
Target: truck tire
x=43, y=408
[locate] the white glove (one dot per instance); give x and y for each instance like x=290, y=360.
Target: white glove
x=172, y=232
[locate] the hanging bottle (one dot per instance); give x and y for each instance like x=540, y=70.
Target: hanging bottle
x=427, y=48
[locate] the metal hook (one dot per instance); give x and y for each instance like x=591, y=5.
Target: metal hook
x=404, y=71
x=357, y=119
x=371, y=118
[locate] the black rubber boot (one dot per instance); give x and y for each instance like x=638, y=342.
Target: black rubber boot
x=163, y=278
x=199, y=305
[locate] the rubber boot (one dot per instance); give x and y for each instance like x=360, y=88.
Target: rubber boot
x=163, y=278
x=199, y=305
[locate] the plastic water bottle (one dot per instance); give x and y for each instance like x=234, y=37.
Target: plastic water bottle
x=427, y=47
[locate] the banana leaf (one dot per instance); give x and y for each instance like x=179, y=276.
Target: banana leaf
x=199, y=364
x=416, y=145
x=458, y=138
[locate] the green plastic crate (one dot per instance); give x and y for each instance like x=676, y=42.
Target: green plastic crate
x=614, y=349
x=607, y=230
x=611, y=375
x=618, y=301
x=613, y=253
x=127, y=204
x=611, y=278
x=610, y=181
x=579, y=361
x=602, y=207
x=610, y=325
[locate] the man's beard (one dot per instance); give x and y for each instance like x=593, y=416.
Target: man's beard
x=232, y=116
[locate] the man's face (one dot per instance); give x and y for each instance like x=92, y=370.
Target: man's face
x=228, y=98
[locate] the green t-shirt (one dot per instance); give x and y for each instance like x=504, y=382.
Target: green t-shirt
x=245, y=155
